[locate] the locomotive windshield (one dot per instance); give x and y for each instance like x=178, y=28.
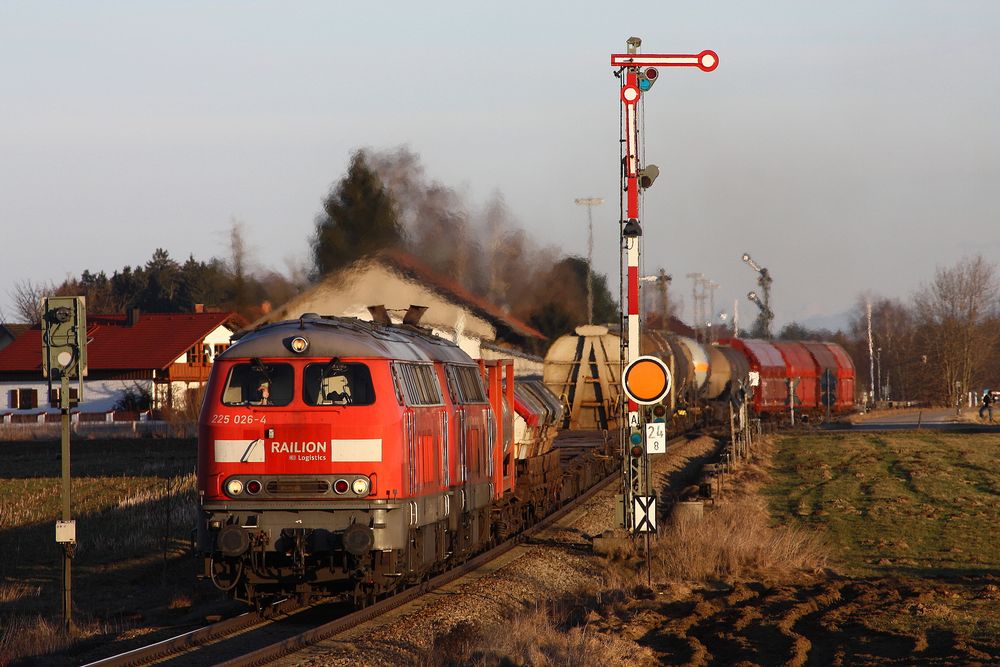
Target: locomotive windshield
x=337, y=383
x=258, y=383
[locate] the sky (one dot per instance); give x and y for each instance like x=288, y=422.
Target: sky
x=848, y=146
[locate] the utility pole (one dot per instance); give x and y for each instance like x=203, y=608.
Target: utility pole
x=712, y=286
x=697, y=302
x=871, y=350
x=590, y=203
x=638, y=73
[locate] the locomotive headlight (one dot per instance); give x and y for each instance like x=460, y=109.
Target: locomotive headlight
x=360, y=486
x=299, y=345
x=234, y=487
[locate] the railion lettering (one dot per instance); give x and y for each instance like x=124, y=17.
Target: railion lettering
x=297, y=447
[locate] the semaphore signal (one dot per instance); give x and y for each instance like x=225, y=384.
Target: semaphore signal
x=640, y=73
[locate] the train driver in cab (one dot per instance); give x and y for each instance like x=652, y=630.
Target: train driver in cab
x=263, y=393
x=336, y=389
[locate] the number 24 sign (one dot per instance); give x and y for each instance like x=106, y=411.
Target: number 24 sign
x=656, y=438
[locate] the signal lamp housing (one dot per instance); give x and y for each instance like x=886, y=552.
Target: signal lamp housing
x=632, y=229
x=647, y=78
x=647, y=175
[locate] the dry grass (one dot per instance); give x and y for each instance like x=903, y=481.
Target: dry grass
x=11, y=591
x=550, y=635
x=26, y=636
x=139, y=519
x=125, y=517
x=737, y=537
x=734, y=541
x=116, y=517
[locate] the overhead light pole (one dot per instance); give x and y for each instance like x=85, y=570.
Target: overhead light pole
x=590, y=203
x=662, y=280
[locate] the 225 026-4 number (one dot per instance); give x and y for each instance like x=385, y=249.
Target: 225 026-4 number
x=239, y=419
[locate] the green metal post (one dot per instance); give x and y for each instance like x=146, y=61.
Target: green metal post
x=67, y=598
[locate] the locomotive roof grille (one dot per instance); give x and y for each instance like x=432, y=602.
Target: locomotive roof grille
x=345, y=337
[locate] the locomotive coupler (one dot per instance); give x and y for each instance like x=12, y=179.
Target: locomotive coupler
x=300, y=538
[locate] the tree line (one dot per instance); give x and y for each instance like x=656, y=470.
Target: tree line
x=383, y=201
x=938, y=346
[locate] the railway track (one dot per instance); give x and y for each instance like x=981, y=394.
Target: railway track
x=279, y=633
x=181, y=644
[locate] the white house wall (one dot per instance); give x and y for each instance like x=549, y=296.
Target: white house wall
x=216, y=342
x=350, y=296
x=98, y=396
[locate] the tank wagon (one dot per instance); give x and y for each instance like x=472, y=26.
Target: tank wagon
x=583, y=370
x=337, y=455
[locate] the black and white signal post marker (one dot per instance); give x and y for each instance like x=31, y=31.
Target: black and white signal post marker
x=638, y=74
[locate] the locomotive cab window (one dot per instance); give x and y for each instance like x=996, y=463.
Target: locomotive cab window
x=338, y=383
x=258, y=383
x=418, y=384
x=468, y=382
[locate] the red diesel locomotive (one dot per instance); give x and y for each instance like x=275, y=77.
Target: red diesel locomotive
x=337, y=454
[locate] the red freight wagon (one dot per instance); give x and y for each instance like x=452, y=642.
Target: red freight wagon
x=845, y=377
x=801, y=366
x=771, y=394
x=836, y=378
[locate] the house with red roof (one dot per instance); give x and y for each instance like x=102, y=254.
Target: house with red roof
x=392, y=281
x=9, y=332
x=165, y=355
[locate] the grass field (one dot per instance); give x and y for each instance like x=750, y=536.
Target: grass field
x=824, y=549
x=918, y=509
x=134, y=503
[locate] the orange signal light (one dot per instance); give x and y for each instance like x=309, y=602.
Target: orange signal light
x=646, y=380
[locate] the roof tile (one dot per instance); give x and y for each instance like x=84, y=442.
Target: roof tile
x=154, y=342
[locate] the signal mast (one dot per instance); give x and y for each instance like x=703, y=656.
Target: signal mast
x=645, y=380
x=762, y=327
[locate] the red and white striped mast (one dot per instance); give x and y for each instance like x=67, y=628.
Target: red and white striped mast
x=640, y=73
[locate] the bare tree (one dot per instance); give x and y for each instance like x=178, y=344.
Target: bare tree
x=238, y=262
x=956, y=312
x=27, y=297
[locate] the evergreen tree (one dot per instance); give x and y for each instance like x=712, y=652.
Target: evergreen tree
x=163, y=293
x=127, y=287
x=359, y=219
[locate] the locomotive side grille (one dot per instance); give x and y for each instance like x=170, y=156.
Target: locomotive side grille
x=297, y=486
